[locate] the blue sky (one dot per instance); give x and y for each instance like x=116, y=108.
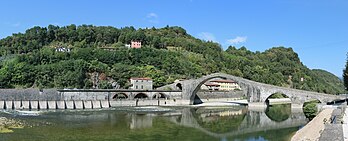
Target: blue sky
x=316, y=29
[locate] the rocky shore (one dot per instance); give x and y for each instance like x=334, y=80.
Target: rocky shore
x=7, y=124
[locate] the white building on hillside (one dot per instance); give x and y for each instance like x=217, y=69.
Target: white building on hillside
x=143, y=83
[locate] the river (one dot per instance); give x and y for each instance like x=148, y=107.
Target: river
x=234, y=123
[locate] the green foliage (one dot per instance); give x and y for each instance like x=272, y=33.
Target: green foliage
x=278, y=95
x=310, y=109
x=345, y=75
x=279, y=113
x=36, y=63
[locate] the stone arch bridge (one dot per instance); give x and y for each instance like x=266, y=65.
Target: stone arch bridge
x=254, y=91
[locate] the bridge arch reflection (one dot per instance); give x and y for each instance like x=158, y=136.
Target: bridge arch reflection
x=249, y=122
x=278, y=113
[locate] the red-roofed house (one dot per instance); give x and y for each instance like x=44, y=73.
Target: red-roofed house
x=135, y=44
x=212, y=86
x=141, y=83
x=221, y=84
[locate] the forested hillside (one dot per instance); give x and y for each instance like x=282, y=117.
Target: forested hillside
x=99, y=58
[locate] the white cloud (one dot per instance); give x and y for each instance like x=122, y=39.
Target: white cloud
x=237, y=40
x=152, y=18
x=207, y=36
x=14, y=24
x=152, y=15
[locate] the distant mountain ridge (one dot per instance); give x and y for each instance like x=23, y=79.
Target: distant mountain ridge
x=98, y=57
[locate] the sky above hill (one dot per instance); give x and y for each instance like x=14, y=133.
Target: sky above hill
x=316, y=29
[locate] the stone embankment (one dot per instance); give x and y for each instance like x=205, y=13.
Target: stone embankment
x=312, y=131
x=331, y=124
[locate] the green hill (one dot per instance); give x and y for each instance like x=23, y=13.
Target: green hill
x=98, y=58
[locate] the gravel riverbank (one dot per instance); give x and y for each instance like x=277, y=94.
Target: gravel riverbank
x=7, y=124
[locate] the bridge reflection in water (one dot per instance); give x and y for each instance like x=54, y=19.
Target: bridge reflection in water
x=217, y=122
x=202, y=123
x=226, y=121
x=237, y=122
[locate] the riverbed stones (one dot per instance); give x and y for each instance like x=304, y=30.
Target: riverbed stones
x=7, y=124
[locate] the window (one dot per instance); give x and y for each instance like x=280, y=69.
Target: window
x=136, y=87
x=142, y=87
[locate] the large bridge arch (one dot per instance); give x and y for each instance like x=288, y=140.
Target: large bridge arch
x=191, y=87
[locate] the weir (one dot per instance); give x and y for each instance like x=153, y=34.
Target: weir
x=34, y=105
x=43, y=105
x=96, y=104
x=2, y=104
x=17, y=104
x=51, y=105
x=69, y=104
x=105, y=104
x=60, y=105
x=25, y=104
x=78, y=104
x=87, y=104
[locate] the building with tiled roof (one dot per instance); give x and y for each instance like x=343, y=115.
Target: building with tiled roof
x=141, y=83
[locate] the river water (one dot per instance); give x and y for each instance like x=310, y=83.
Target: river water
x=236, y=123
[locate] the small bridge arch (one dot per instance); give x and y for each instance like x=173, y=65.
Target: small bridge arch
x=120, y=96
x=296, y=96
x=159, y=96
x=141, y=96
x=284, y=98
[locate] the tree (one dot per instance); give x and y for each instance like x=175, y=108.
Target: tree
x=39, y=65
x=345, y=75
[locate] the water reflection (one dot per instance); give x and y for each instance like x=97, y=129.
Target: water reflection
x=279, y=112
x=220, y=120
x=205, y=123
x=141, y=121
